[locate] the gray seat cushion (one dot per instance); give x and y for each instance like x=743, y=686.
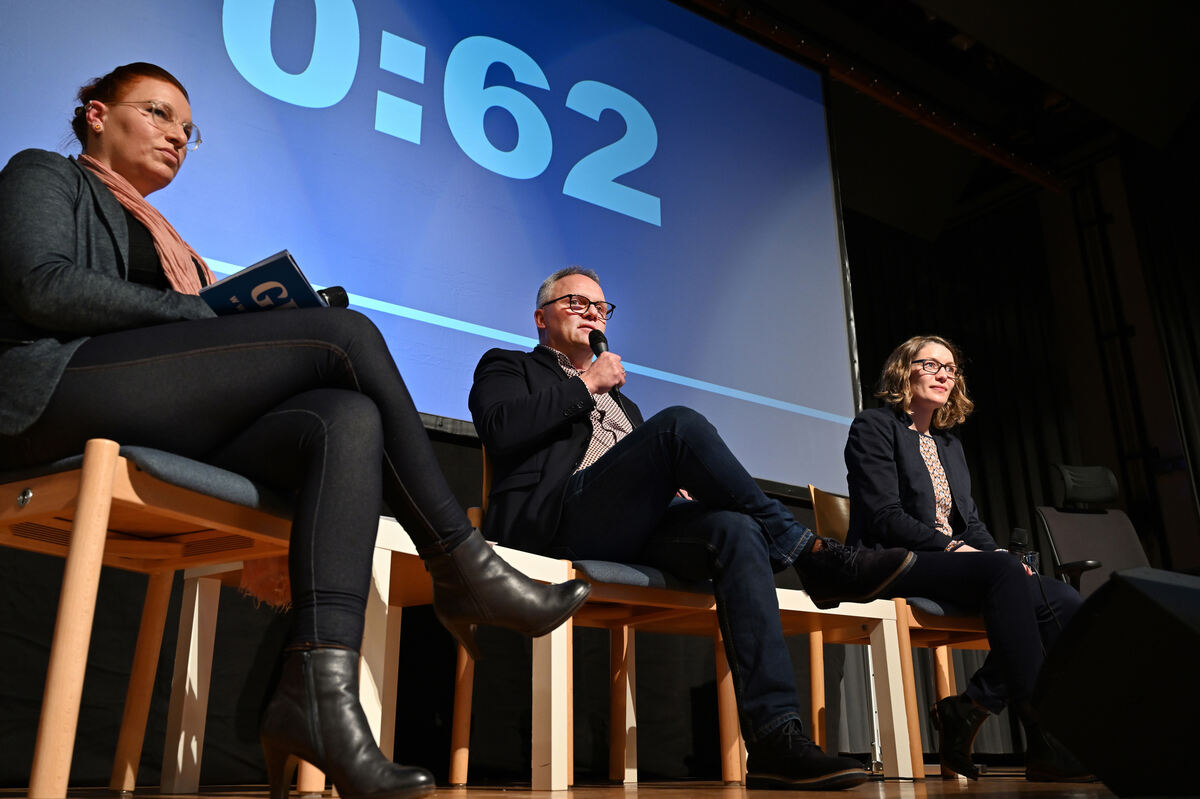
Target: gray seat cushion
x=605, y=571
x=936, y=607
x=203, y=478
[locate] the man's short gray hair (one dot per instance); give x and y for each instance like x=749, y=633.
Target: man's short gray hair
x=543, y=295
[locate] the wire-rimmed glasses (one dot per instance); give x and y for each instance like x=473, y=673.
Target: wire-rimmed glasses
x=162, y=115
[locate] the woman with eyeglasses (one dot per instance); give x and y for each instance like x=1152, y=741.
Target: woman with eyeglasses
x=102, y=335
x=910, y=487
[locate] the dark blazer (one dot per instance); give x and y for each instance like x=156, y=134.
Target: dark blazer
x=891, y=493
x=535, y=422
x=64, y=251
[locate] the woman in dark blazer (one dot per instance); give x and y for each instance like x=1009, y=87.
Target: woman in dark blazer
x=910, y=487
x=102, y=335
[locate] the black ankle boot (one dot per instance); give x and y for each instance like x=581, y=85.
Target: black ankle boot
x=838, y=573
x=314, y=715
x=473, y=585
x=958, y=720
x=1047, y=760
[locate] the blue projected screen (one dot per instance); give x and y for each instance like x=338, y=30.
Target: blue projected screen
x=440, y=159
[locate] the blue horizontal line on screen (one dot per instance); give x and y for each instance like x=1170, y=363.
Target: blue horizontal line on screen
x=451, y=323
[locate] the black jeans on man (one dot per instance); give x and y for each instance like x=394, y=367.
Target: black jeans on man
x=624, y=508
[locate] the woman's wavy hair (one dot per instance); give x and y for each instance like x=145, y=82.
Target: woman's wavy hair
x=895, y=390
x=110, y=87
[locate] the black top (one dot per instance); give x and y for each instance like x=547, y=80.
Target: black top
x=145, y=267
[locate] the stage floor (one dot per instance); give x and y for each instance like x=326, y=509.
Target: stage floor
x=1008, y=784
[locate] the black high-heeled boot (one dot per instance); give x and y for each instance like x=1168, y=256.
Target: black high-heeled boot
x=958, y=719
x=315, y=715
x=1047, y=760
x=473, y=585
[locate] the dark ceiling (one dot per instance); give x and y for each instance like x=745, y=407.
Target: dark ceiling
x=1044, y=85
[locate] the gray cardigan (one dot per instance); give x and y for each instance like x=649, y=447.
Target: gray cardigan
x=64, y=250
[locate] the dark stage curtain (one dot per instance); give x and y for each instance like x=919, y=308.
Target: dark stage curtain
x=1165, y=205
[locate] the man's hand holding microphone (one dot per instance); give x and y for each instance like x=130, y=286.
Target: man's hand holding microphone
x=606, y=372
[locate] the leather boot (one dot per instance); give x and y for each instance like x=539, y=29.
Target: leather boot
x=1047, y=760
x=314, y=715
x=958, y=719
x=837, y=573
x=473, y=585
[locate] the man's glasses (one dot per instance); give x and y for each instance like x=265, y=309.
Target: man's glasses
x=163, y=116
x=577, y=303
x=932, y=367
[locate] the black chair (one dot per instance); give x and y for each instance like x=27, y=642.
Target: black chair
x=1087, y=541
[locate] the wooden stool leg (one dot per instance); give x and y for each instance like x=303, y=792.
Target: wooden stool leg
x=910, y=689
x=944, y=672
x=379, y=664
x=186, y=715
x=816, y=678
x=570, y=625
x=622, y=707
x=73, y=626
x=460, y=730
x=141, y=682
x=727, y=718
x=894, y=725
x=549, y=711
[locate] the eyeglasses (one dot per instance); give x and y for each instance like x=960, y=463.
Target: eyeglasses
x=577, y=303
x=932, y=367
x=163, y=117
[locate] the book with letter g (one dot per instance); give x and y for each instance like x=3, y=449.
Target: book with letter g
x=274, y=282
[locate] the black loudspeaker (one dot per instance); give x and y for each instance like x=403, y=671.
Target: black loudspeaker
x=1121, y=688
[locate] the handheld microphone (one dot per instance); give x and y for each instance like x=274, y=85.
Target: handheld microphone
x=334, y=296
x=599, y=344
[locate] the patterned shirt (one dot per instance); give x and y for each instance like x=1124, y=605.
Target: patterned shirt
x=943, y=502
x=609, y=422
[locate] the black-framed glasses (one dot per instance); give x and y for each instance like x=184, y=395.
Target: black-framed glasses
x=932, y=367
x=162, y=115
x=577, y=303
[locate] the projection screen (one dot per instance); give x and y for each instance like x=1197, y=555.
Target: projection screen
x=439, y=159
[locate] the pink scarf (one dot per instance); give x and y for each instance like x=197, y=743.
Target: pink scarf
x=175, y=253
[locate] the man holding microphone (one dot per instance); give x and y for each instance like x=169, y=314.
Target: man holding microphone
x=580, y=475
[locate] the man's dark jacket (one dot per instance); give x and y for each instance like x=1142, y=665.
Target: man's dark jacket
x=535, y=422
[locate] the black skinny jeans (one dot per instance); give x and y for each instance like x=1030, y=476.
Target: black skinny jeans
x=309, y=402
